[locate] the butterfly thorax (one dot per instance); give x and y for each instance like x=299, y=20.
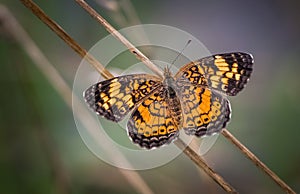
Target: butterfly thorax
x=171, y=94
x=168, y=81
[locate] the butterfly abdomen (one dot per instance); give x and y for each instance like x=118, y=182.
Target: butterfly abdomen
x=174, y=106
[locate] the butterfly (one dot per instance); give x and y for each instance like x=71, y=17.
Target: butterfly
x=194, y=99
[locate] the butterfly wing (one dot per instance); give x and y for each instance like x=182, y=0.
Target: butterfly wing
x=152, y=123
x=114, y=98
x=204, y=111
x=227, y=72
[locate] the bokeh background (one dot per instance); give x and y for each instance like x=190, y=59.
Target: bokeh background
x=42, y=152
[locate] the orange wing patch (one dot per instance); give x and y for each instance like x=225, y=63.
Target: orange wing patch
x=151, y=124
x=204, y=112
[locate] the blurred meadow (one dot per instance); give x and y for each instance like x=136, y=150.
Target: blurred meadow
x=42, y=152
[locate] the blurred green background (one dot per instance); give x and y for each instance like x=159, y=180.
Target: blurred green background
x=42, y=152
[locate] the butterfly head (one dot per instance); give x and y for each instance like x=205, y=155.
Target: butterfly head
x=167, y=72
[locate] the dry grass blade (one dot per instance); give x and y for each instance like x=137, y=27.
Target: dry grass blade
x=64, y=90
x=257, y=162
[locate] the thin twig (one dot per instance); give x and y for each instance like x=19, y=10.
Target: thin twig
x=120, y=37
x=64, y=90
x=257, y=162
x=187, y=150
x=201, y=163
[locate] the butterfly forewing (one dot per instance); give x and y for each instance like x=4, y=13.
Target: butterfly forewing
x=227, y=73
x=114, y=98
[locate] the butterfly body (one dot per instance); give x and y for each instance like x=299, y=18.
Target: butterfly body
x=192, y=100
x=171, y=95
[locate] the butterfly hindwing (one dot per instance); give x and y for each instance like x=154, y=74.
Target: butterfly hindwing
x=152, y=123
x=114, y=98
x=227, y=73
x=204, y=111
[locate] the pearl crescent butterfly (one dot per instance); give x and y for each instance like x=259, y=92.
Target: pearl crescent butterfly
x=193, y=100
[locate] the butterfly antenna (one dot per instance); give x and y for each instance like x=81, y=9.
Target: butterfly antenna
x=188, y=42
